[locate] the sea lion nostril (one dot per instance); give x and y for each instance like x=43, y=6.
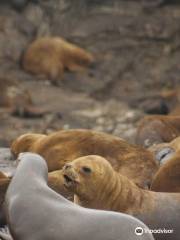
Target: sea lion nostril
x=67, y=166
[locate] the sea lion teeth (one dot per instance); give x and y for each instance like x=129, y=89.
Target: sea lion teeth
x=69, y=181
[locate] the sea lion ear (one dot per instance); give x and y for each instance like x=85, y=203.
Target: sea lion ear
x=164, y=154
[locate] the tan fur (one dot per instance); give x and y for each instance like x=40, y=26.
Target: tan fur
x=4, y=183
x=174, y=144
x=157, y=129
x=103, y=188
x=51, y=56
x=56, y=182
x=167, y=179
x=62, y=147
x=25, y=143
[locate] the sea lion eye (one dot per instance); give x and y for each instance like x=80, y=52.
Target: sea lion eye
x=86, y=170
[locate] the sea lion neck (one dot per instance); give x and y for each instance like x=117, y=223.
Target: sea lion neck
x=118, y=193
x=127, y=197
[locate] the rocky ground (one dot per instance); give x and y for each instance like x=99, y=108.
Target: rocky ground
x=137, y=51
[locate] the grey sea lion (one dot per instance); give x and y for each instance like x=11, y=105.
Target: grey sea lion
x=34, y=211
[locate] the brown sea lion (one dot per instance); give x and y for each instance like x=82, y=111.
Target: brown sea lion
x=17, y=100
x=4, y=183
x=157, y=129
x=13, y=94
x=98, y=186
x=51, y=216
x=61, y=147
x=163, y=102
x=167, y=179
x=51, y=56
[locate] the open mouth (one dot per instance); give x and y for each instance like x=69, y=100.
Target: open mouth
x=69, y=182
x=67, y=178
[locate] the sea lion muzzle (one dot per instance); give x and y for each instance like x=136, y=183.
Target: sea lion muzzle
x=70, y=176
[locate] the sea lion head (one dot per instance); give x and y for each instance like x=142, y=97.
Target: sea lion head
x=86, y=174
x=24, y=143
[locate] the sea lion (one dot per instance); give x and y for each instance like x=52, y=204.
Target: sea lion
x=17, y=100
x=51, y=56
x=157, y=129
x=158, y=103
x=64, y=146
x=51, y=216
x=55, y=181
x=4, y=183
x=13, y=94
x=167, y=178
x=98, y=186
